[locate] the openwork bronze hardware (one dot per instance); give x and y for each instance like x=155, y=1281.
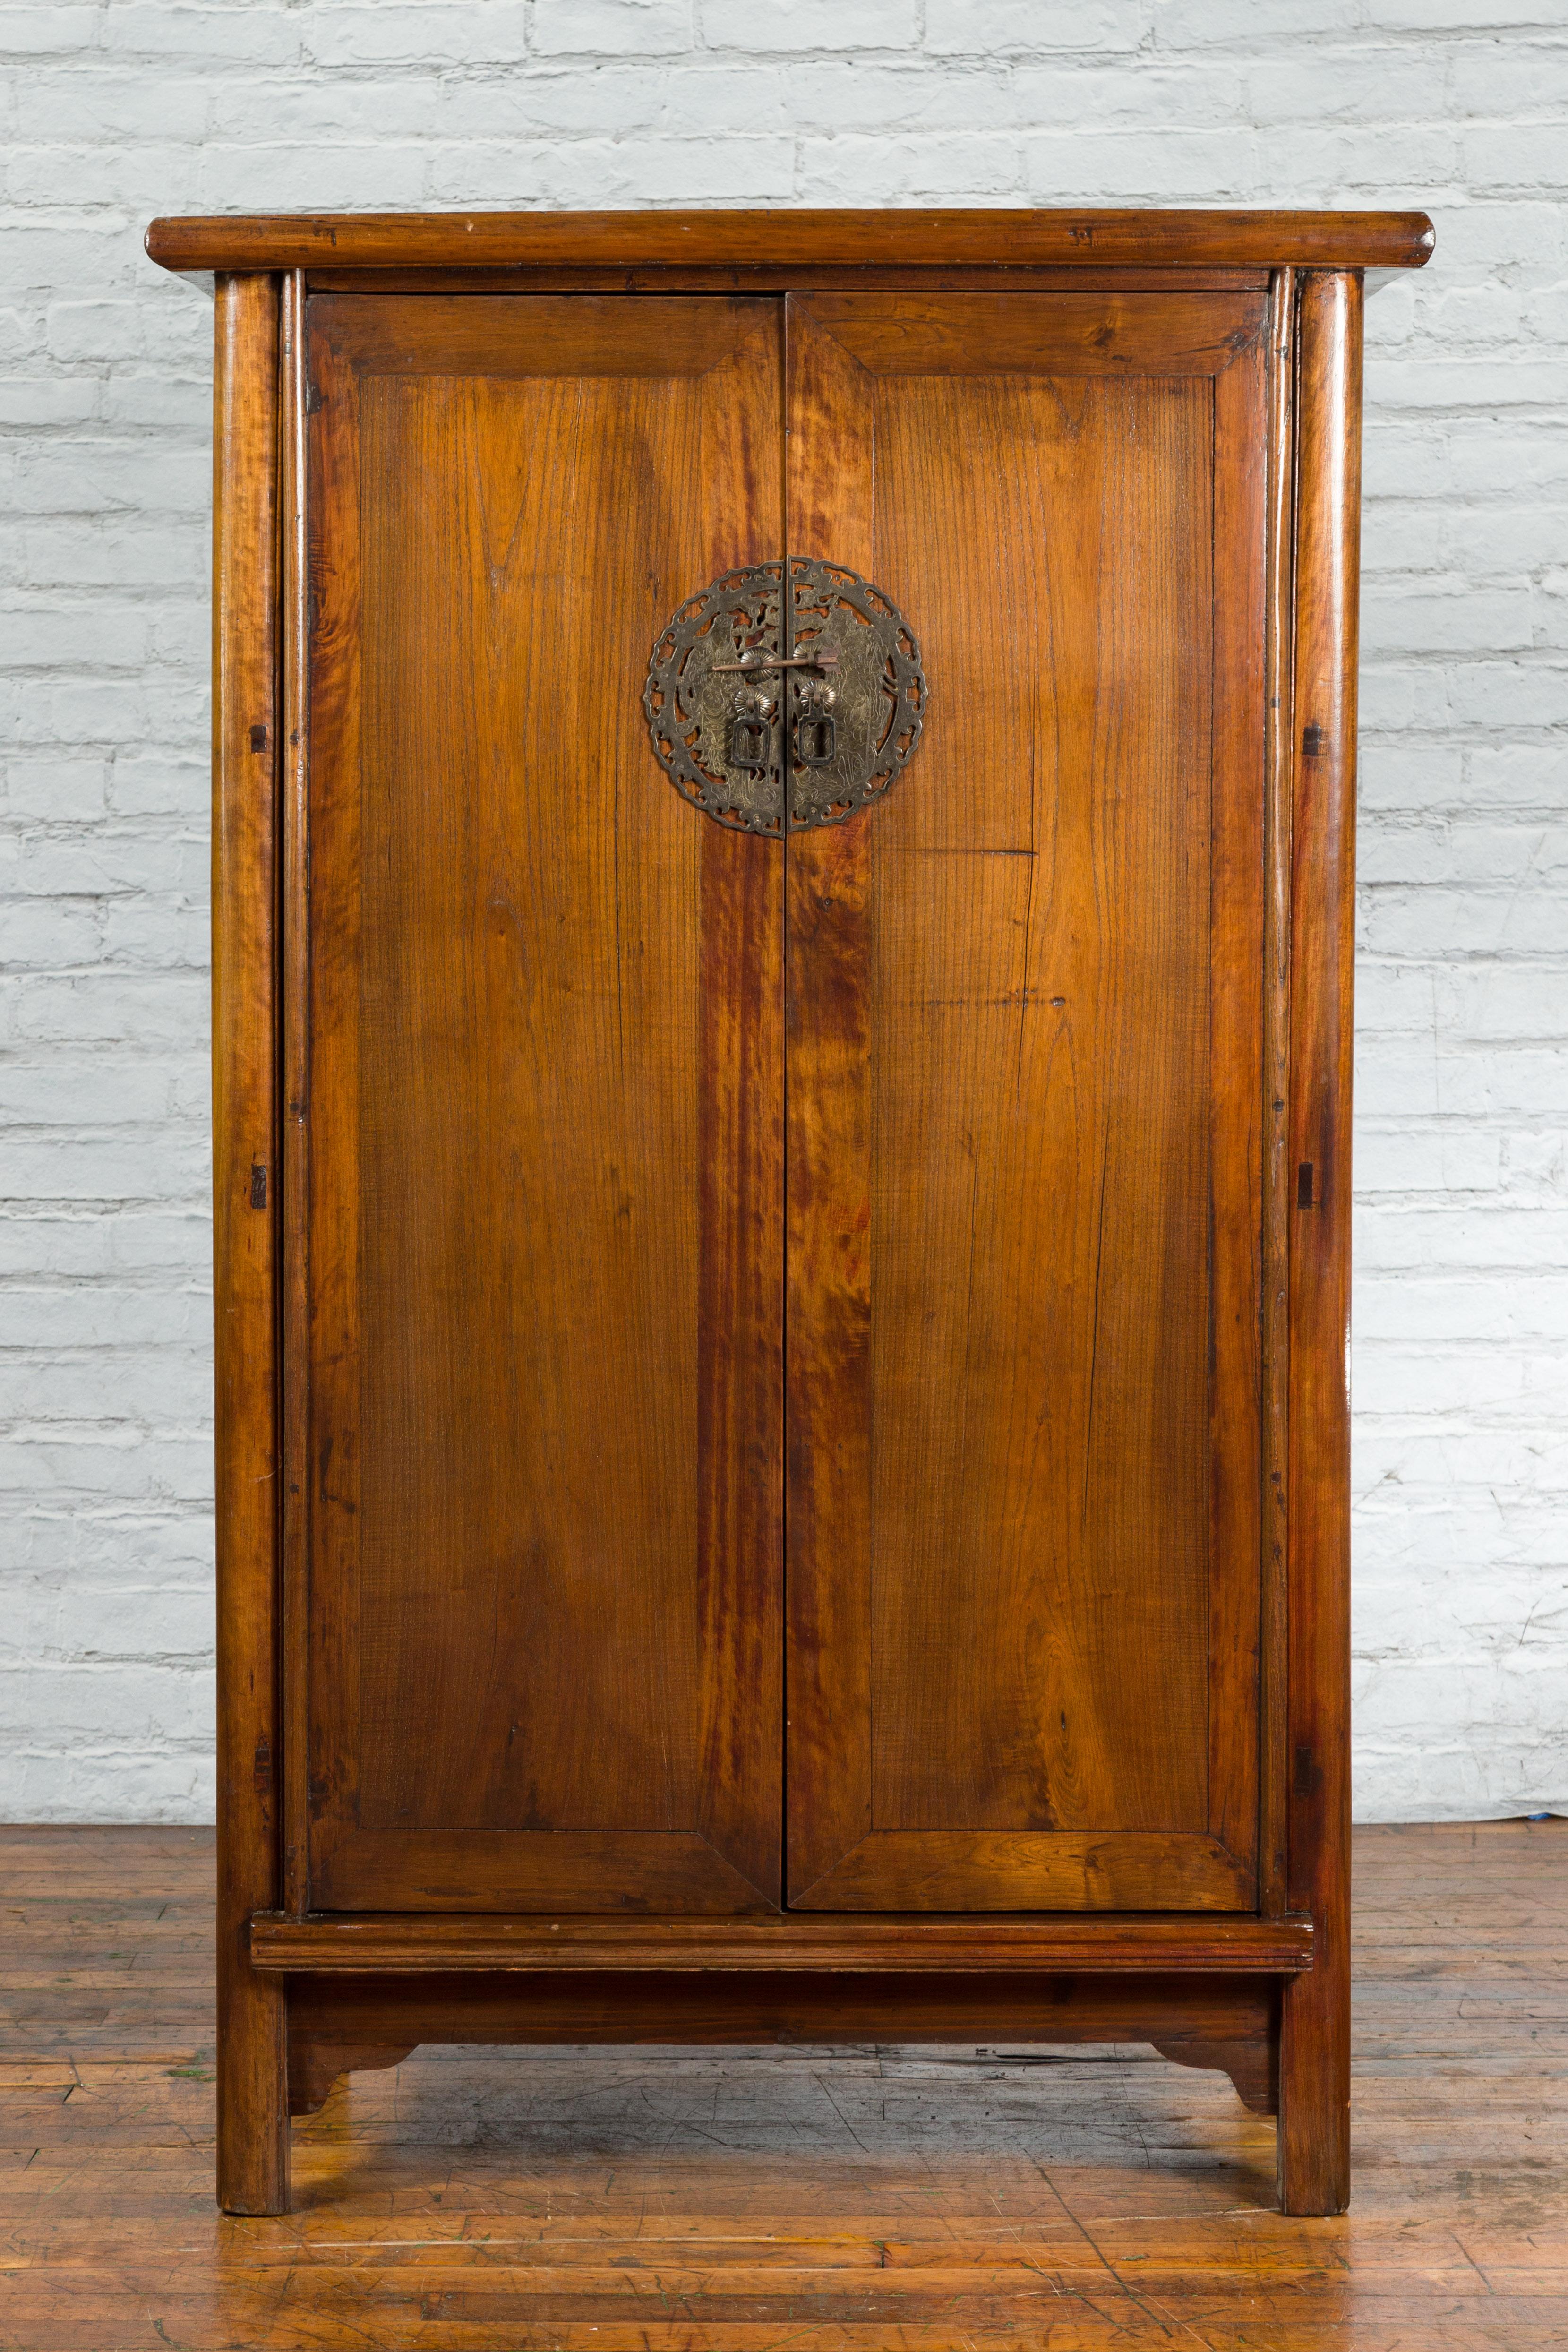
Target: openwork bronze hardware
x=846, y=715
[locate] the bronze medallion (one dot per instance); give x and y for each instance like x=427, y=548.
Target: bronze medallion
x=734, y=710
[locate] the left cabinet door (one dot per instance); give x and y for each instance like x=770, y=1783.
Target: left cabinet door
x=536, y=1497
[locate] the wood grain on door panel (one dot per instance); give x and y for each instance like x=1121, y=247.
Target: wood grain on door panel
x=545, y=1101
x=1024, y=1057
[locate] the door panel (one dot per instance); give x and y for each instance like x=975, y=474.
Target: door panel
x=544, y=1121
x=1023, y=1054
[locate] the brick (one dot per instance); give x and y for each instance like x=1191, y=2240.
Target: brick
x=1445, y=615
x=1452, y=1240
x=161, y=1386
x=1084, y=92
x=435, y=33
x=249, y=109
x=100, y=550
x=48, y=934
x=866, y=98
x=54, y=1782
x=139, y=178
x=329, y=176
x=80, y=103
x=1192, y=24
x=48, y=400
x=1464, y=1383
x=1424, y=919
x=167, y=403
x=1159, y=166
x=1399, y=773
x=589, y=99
x=1352, y=81
x=1415, y=16
x=94, y=862
x=96, y=477
x=1408, y=164
x=1478, y=539
x=1399, y=535
x=72, y=1246
x=982, y=28
x=1509, y=693
x=51, y=1093
x=74, y=637
x=56, y=31
x=152, y=932
x=1519, y=775
x=1424, y=1158
x=144, y=1540
x=112, y=1168
x=110, y=1005
x=140, y=1240
x=1518, y=381
x=621, y=28
x=1451, y=1308
x=1504, y=1002
x=934, y=170
x=1526, y=1461
x=220, y=38
x=159, y=787
x=56, y=790
x=106, y=1701
x=1481, y=237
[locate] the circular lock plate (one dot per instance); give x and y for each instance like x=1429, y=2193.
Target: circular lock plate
x=846, y=636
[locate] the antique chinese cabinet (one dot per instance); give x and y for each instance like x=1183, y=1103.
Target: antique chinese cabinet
x=783, y=868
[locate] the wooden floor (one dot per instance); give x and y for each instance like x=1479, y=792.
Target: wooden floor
x=930, y=2199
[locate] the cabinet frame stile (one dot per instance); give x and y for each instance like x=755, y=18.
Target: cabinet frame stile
x=253, y=2157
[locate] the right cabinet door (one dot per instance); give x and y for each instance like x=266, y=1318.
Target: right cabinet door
x=1024, y=998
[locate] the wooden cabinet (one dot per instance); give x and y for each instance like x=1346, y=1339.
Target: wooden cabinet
x=782, y=1237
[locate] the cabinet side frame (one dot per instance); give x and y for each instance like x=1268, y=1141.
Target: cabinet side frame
x=1278, y=773
x=1314, y=2089
x=292, y=830
x=252, y=2151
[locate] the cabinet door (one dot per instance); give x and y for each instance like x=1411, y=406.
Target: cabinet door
x=1024, y=1059
x=534, y=1359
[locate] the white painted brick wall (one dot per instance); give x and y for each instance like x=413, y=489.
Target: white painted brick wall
x=115, y=110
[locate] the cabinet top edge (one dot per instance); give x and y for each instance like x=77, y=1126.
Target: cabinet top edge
x=977, y=236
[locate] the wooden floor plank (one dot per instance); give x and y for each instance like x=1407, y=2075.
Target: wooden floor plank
x=677, y=2201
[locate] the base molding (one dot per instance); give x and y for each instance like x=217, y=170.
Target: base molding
x=1118, y=1943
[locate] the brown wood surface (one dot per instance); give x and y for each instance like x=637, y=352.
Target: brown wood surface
x=252, y=2121
x=1277, y=1173
x=1344, y=240
x=763, y=277
x=545, y=1098
x=1152, y=1941
x=1024, y=1117
x=294, y=1059
x=357, y=2013
x=998, y=2193
x=1314, y=2146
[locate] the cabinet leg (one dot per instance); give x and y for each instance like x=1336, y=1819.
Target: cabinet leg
x=253, y=2094
x=1315, y=2091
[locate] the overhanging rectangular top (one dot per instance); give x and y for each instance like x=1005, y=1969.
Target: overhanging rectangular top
x=976, y=238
